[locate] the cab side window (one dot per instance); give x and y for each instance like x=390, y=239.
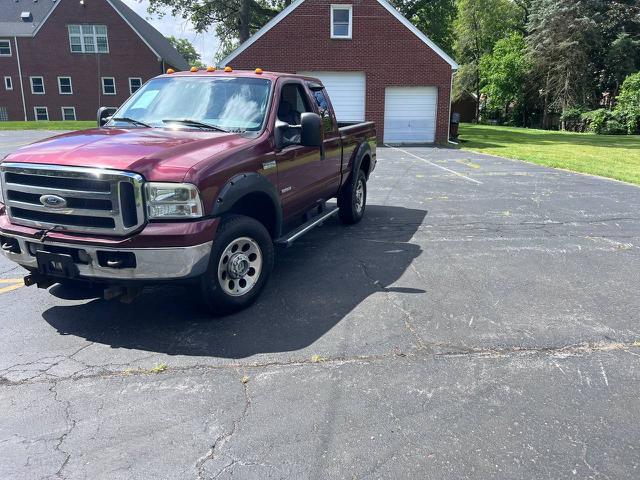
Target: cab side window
x=293, y=103
x=323, y=108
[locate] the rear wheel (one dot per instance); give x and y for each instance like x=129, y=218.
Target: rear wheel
x=353, y=200
x=240, y=263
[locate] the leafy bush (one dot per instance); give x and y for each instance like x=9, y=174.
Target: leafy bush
x=572, y=118
x=604, y=122
x=595, y=120
x=628, y=107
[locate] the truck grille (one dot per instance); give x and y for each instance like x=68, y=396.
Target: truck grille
x=90, y=200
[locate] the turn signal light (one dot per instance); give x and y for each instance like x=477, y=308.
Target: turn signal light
x=259, y=71
x=228, y=69
x=194, y=69
x=170, y=71
x=211, y=69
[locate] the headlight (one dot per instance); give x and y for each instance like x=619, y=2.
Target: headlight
x=172, y=200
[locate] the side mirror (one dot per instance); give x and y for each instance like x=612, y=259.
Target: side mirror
x=105, y=114
x=280, y=134
x=311, y=130
x=307, y=134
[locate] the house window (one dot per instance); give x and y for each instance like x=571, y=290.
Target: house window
x=134, y=84
x=88, y=39
x=68, y=113
x=8, y=83
x=5, y=48
x=108, y=85
x=41, y=113
x=4, y=114
x=341, y=21
x=64, y=86
x=37, y=85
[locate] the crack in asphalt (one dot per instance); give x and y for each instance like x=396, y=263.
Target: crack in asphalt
x=224, y=438
x=562, y=351
x=71, y=424
x=408, y=320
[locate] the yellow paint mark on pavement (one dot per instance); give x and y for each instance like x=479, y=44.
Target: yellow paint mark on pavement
x=468, y=163
x=14, y=284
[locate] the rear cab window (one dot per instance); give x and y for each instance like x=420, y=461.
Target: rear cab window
x=319, y=94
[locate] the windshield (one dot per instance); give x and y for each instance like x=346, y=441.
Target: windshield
x=234, y=104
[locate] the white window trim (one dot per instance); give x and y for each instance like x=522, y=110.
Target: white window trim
x=10, y=49
x=75, y=117
x=60, y=85
x=6, y=85
x=115, y=90
x=44, y=90
x=339, y=6
x=82, y=35
x=35, y=114
x=131, y=87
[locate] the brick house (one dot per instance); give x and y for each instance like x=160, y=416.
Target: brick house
x=375, y=64
x=63, y=59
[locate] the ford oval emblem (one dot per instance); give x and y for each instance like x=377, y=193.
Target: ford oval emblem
x=53, y=201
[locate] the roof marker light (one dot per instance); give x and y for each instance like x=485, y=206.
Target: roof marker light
x=211, y=69
x=228, y=69
x=170, y=71
x=194, y=69
x=259, y=71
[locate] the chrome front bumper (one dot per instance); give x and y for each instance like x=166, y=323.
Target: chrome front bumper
x=151, y=263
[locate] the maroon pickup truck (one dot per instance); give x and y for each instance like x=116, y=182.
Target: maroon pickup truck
x=194, y=179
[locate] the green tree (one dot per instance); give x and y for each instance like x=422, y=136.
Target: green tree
x=504, y=73
x=562, y=35
x=433, y=17
x=628, y=105
x=187, y=50
x=235, y=18
x=479, y=25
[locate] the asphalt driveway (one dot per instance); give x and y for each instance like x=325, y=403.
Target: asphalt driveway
x=481, y=322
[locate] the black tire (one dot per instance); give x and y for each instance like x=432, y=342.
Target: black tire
x=221, y=287
x=351, y=208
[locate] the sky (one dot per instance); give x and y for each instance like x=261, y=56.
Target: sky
x=205, y=43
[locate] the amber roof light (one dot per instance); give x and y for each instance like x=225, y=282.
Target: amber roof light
x=170, y=71
x=211, y=69
x=259, y=71
x=228, y=69
x=194, y=69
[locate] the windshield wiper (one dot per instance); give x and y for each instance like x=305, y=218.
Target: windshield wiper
x=195, y=123
x=133, y=121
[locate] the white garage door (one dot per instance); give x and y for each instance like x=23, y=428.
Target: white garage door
x=410, y=114
x=347, y=91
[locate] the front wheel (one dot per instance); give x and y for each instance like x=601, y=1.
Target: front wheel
x=240, y=263
x=352, y=201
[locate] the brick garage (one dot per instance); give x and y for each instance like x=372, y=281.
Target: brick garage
x=397, y=62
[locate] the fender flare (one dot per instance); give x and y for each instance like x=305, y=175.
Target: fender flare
x=242, y=185
x=363, y=150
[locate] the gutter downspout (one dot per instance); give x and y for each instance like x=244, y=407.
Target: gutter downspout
x=24, y=105
x=453, y=73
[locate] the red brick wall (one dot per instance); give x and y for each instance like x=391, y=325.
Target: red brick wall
x=11, y=99
x=383, y=48
x=48, y=55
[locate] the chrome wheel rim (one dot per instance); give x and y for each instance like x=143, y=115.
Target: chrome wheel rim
x=240, y=266
x=360, y=196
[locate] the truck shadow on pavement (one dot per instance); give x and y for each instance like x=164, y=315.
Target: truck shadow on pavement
x=315, y=284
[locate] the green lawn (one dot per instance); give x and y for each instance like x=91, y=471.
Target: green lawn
x=608, y=156
x=59, y=125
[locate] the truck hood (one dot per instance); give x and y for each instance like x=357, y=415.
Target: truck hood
x=158, y=154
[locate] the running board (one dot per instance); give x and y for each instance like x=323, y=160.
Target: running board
x=292, y=236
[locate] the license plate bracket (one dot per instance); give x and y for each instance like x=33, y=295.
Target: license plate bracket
x=56, y=265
